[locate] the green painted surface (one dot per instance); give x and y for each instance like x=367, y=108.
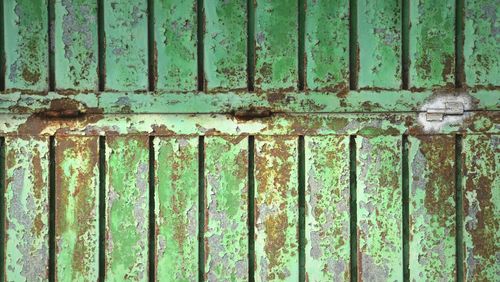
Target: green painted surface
x=276, y=39
x=75, y=35
x=126, y=50
x=327, y=208
x=276, y=208
x=127, y=208
x=481, y=210
x=379, y=44
x=26, y=209
x=432, y=44
x=225, y=45
x=327, y=44
x=26, y=45
x=379, y=208
x=481, y=42
x=77, y=208
x=176, y=211
x=175, y=45
x=226, y=208
x=432, y=207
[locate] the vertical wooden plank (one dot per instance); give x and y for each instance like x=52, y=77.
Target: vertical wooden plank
x=327, y=44
x=175, y=36
x=327, y=208
x=276, y=38
x=379, y=208
x=432, y=207
x=75, y=35
x=176, y=171
x=225, y=45
x=77, y=208
x=26, y=45
x=481, y=60
x=432, y=44
x=481, y=209
x=226, y=235
x=127, y=208
x=26, y=209
x=379, y=43
x=126, y=37
x=276, y=208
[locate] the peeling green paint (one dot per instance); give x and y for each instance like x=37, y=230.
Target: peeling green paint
x=26, y=209
x=225, y=45
x=226, y=235
x=432, y=44
x=26, y=45
x=176, y=208
x=379, y=209
x=77, y=203
x=276, y=209
x=327, y=44
x=327, y=208
x=126, y=38
x=432, y=207
x=175, y=44
x=379, y=44
x=76, y=54
x=127, y=205
x=481, y=209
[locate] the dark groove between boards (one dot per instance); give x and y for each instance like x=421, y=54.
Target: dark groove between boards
x=102, y=206
x=2, y=208
x=405, y=43
x=101, y=49
x=353, y=45
x=301, y=48
x=459, y=44
x=251, y=45
x=458, y=209
x=200, y=43
x=51, y=34
x=152, y=219
x=2, y=50
x=152, y=62
x=52, y=208
x=302, y=210
x=201, y=208
x=406, y=209
x=353, y=240
x=251, y=208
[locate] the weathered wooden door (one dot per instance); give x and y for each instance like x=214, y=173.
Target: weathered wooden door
x=259, y=140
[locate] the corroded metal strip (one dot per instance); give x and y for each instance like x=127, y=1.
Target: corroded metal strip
x=226, y=235
x=77, y=202
x=277, y=124
x=276, y=209
x=26, y=45
x=175, y=44
x=432, y=207
x=432, y=44
x=379, y=208
x=481, y=60
x=276, y=39
x=481, y=209
x=126, y=38
x=327, y=44
x=327, y=208
x=379, y=39
x=127, y=208
x=176, y=200
x=225, y=45
x=26, y=209
x=75, y=34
